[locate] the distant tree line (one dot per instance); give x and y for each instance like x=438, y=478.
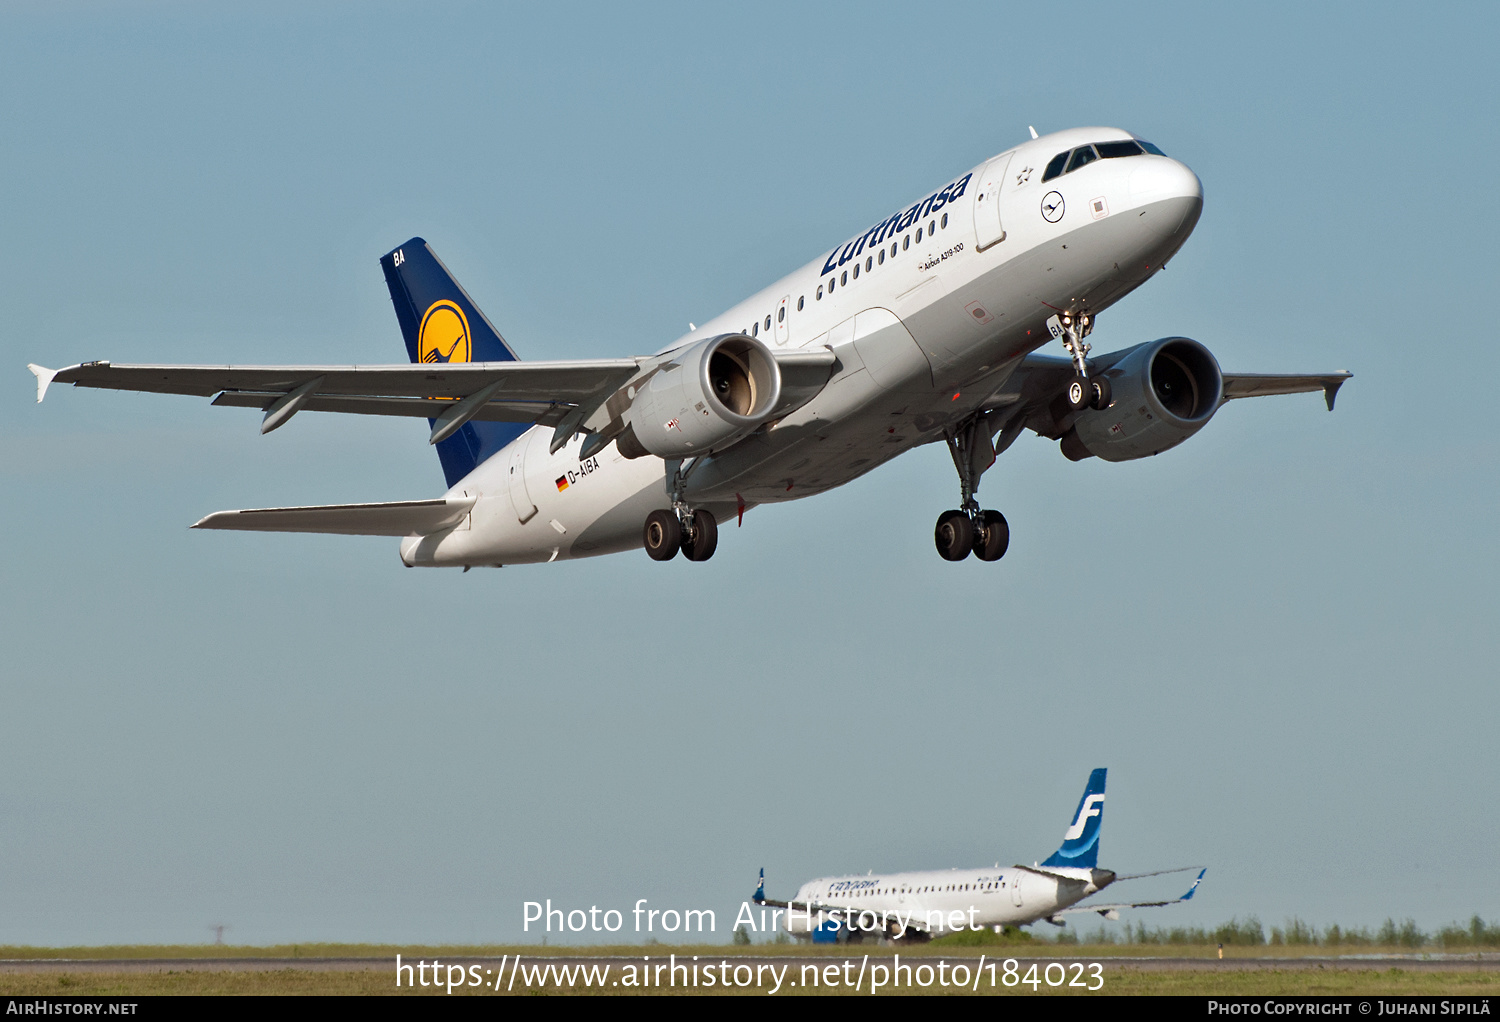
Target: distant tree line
x=1296, y=932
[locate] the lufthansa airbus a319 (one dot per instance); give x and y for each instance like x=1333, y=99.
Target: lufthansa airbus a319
x=926, y=328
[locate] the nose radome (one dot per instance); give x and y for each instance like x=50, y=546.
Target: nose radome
x=1168, y=195
x=1161, y=178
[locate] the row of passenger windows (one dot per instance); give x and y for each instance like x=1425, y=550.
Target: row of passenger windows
x=878, y=259
x=1066, y=163
x=919, y=890
x=842, y=280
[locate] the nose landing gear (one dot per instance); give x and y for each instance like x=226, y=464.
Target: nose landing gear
x=695, y=533
x=970, y=529
x=1083, y=391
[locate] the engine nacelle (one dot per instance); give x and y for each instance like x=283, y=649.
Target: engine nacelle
x=709, y=396
x=1163, y=392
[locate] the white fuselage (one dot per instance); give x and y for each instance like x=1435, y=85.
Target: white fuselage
x=928, y=314
x=936, y=902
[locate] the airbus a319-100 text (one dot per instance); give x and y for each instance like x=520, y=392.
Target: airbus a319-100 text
x=926, y=328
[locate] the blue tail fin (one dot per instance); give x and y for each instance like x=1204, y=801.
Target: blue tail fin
x=442, y=324
x=1080, y=845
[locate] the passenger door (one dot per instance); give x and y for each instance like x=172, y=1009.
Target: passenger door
x=987, y=227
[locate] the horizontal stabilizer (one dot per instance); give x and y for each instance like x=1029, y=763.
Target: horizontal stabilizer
x=401, y=518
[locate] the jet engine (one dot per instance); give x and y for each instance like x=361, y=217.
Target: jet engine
x=1163, y=392
x=707, y=397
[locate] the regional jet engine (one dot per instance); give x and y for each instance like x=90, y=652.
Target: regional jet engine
x=707, y=397
x=1163, y=392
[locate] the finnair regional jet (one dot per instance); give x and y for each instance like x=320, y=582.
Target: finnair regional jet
x=923, y=329
x=919, y=906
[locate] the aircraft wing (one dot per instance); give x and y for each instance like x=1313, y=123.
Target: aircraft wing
x=1039, y=378
x=1106, y=910
x=559, y=394
x=1264, y=384
x=536, y=392
x=810, y=907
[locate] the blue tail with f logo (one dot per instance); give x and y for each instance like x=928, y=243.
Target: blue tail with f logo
x=442, y=324
x=1080, y=845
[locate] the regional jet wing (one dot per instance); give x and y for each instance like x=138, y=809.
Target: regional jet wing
x=1106, y=910
x=803, y=906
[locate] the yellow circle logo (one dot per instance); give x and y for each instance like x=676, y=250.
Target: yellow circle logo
x=444, y=336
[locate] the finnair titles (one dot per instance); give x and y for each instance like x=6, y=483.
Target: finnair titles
x=930, y=327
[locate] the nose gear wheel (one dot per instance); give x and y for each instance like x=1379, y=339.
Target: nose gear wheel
x=1083, y=391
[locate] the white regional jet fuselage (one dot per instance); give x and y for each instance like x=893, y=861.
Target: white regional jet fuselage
x=942, y=901
x=929, y=314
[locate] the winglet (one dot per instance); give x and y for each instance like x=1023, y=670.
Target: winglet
x=760, y=890
x=1190, y=890
x=43, y=379
x=1330, y=390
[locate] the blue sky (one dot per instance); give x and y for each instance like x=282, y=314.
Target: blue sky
x=1278, y=637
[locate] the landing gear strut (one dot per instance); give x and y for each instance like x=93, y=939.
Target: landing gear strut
x=1083, y=391
x=695, y=533
x=970, y=528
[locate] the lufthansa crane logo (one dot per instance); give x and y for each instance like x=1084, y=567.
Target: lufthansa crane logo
x=1052, y=207
x=444, y=335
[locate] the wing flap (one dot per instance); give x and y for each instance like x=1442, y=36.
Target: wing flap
x=497, y=409
x=400, y=518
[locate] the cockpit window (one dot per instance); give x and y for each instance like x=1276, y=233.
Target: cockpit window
x=1056, y=166
x=1082, y=156
x=1114, y=150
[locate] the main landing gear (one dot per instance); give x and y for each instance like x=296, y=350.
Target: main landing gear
x=971, y=529
x=1084, y=391
x=695, y=533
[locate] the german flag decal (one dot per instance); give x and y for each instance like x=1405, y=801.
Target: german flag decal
x=562, y=483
